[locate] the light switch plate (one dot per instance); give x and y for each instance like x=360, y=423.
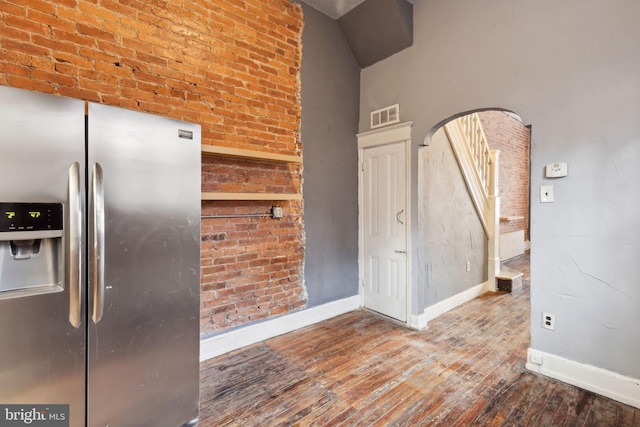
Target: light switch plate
x=546, y=194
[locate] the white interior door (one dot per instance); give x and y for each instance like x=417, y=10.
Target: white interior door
x=384, y=236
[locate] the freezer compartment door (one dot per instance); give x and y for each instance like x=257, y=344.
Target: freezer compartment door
x=144, y=273
x=41, y=189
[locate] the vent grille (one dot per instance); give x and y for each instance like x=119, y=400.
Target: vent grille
x=385, y=116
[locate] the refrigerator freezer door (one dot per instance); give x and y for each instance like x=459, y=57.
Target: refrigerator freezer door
x=143, y=362
x=42, y=353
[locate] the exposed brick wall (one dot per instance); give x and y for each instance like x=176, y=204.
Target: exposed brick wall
x=230, y=65
x=251, y=267
x=511, y=137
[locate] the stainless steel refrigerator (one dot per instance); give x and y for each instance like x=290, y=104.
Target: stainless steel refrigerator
x=99, y=261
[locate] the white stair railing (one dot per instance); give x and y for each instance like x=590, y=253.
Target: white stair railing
x=479, y=166
x=471, y=128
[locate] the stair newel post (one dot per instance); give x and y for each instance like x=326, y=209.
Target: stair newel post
x=493, y=221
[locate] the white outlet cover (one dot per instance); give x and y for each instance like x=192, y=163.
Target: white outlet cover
x=535, y=357
x=277, y=211
x=546, y=194
x=549, y=321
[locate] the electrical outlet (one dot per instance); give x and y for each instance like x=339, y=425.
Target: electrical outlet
x=535, y=357
x=277, y=212
x=549, y=321
x=468, y=265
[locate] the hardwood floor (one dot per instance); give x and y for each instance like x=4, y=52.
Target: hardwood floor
x=361, y=369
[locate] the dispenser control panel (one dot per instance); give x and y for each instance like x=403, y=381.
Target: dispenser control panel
x=30, y=216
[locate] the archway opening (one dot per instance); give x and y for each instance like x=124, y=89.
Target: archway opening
x=456, y=256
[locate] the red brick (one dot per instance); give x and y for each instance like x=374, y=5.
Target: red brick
x=25, y=24
x=511, y=138
x=89, y=95
x=73, y=15
x=231, y=66
x=14, y=69
x=50, y=20
x=12, y=9
x=26, y=48
x=49, y=43
x=16, y=34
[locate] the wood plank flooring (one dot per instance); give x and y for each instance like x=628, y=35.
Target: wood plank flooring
x=360, y=369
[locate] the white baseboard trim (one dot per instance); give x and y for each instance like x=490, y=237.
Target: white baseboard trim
x=229, y=341
x=601, y=381
x=420, y=322
x=417, y=322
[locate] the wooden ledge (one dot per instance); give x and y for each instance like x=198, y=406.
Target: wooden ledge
x=250, y=196
x=214, y=150
x=511, y=218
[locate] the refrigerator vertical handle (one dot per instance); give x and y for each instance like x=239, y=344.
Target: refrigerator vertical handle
x=96, y=218
x=73, y=254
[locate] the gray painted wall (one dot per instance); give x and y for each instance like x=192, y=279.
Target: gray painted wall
x=449, y=229
x=571, y=69
x=330, y=96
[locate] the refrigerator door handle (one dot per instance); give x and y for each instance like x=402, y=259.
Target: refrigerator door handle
x=97, y=241
x=73, y=235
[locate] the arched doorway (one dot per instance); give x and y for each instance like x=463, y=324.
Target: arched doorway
x=455, y=252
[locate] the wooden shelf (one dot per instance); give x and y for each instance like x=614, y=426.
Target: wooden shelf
x=214, y=150
x=511, y=218
x=251, y=196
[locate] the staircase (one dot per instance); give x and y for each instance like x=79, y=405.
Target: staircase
x=479, y=166
x=508, y=279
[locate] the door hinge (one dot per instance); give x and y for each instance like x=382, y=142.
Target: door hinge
x=362, y=166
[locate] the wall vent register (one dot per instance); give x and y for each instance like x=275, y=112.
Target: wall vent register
x=385, y=116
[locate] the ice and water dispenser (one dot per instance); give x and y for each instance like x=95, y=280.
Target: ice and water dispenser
x=31, y=258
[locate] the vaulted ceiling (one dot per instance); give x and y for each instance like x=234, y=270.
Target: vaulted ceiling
x=333, y=8
x=374, y=29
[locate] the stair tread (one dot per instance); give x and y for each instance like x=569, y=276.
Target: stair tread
x=508, y=273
